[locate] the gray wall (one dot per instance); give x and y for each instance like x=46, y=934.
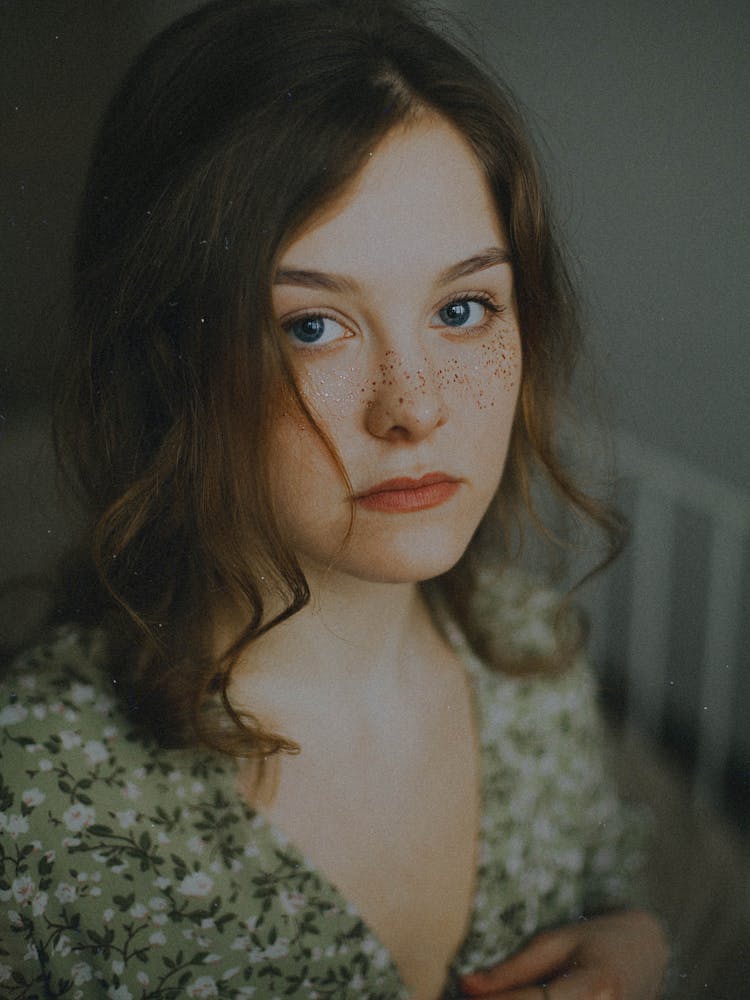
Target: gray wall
x=644, y=110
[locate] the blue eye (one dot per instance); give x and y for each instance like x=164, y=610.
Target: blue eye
x=315, y=329
x=462, y=312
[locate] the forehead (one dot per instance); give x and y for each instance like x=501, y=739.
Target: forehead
x=420, y=202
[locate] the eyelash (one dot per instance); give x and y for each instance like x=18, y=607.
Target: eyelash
x=484, y=299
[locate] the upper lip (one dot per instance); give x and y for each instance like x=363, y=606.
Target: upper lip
x=407, y=483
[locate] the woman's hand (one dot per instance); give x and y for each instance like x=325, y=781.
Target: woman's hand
x=617, y=956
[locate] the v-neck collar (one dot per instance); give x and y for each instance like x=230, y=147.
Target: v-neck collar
x=474, y=670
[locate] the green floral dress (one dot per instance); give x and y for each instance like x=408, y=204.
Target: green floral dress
x=128, y=871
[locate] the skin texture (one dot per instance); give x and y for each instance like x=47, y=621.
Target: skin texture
x=397, y=305
x=398, y=391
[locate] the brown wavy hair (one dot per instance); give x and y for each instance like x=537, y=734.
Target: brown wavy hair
x=234, y=126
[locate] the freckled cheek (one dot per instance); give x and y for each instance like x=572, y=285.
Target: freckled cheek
x=481, y=373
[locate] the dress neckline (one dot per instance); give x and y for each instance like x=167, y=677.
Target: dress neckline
x=473, y=669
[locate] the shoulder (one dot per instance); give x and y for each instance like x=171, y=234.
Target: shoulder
x=60, y=729
x=58, y=690
x=515, y=619
x=542, y=730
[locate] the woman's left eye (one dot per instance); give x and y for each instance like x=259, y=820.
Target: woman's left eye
x=314, y=330
x=462, y=313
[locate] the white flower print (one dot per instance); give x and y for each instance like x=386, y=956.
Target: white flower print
x=203, y=986
x=279, y=949
x=23, y=889
x=39, y=903
x=13, y=714
x=32, y=797
x=81, y=973
x=131, y=791
x=16, y=825
x=45, y=764
x=119, y=993
x=5, y=973
x=126, y=818
x=78, y=817
x=81, y=694
x=291, y=902
x=70, y=739
x=63, y=946
x=158, y=937
x=199, y=884
x=96, y=752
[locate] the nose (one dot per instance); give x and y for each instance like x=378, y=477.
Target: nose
x=407, y=403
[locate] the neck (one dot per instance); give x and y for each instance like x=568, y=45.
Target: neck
x=354, y=664
x=351, y=630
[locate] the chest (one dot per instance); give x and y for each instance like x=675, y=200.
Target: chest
x=391, y=820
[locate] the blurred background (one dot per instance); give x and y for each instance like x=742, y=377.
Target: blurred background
x=641, y=112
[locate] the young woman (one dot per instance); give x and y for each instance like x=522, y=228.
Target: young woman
x=322, y=330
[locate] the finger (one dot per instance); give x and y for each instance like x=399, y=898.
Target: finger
x=524, y=993
x=583, y=984
x=538, y=961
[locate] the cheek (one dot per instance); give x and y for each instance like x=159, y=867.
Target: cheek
x=489, y=378
x=482, y=374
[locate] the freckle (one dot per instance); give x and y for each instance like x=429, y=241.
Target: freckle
x=401, y=399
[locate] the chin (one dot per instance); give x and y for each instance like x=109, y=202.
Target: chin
x=413, y=563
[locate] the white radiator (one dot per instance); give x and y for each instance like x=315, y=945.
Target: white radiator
x=631, y=628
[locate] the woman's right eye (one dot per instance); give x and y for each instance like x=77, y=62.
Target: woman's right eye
x=315, y=329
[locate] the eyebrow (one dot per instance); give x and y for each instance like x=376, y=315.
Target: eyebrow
x=328, y=282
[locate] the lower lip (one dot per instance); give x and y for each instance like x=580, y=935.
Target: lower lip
x=404, y=501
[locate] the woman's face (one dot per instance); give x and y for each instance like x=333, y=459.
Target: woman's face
x=397, y=304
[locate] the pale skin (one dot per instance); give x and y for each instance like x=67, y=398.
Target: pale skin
x=397, y=302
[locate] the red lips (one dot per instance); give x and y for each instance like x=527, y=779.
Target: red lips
x=403, y=495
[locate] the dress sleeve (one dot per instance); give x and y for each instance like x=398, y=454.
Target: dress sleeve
x=24, y=861
x=616, y=833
